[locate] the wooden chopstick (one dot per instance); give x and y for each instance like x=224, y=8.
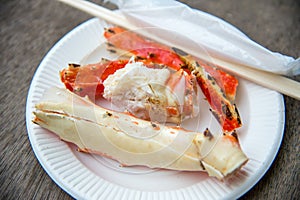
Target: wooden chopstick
x=270, y=80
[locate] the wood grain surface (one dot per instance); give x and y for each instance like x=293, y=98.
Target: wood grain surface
x=28, y=29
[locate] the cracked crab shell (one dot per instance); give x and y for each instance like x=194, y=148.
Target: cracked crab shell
x=132, y=141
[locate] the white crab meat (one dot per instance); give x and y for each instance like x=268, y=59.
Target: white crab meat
x=133, y=141
x=152, y=94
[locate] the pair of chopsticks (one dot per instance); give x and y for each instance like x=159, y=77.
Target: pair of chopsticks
x=270, y=80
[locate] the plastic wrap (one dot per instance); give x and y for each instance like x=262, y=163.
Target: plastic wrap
x=216, y=36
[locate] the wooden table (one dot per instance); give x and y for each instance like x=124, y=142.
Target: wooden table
x=28, y=29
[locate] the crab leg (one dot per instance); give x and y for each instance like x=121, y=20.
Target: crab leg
x=132, y=141
x=223, y=110
x=88, y=79
x=146, y=50
x=124, y=42
x=175, y=101
x=218, y=87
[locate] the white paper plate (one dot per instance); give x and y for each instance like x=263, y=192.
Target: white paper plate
x=84, y=176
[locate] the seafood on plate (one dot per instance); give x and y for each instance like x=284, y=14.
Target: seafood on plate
x=133, y=141
x=150, y=83
x=218, y=86
x=145, y=89
x=88, y=79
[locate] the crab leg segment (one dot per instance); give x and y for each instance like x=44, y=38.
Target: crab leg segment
x=148, y=50
x=132, y=141
x=218, y=87
x=223, y=110
x=88, y=79
x=128, y=43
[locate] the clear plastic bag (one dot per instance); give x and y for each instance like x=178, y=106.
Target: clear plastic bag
x=213, y=34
